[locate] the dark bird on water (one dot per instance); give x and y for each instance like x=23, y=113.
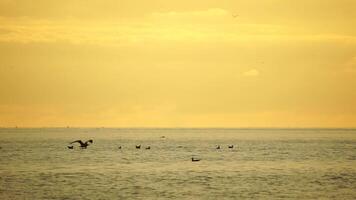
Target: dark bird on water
x=119, y=147
x=70, y=147
x=231, y=146
x=218, y=147
x=138, y=146
x=148, y=147
x=195, y=159
x=83, y=145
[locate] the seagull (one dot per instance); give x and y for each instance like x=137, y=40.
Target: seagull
x=231, y=146
x=148, y=147
x=138, y=146
x=83, y=145
x=218, y=147
x=195, y=159
x=70, y=147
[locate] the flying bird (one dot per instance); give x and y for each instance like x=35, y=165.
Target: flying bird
x=83, y=145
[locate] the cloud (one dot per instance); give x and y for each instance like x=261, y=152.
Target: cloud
x=350, y=65
x=214, y=12
x=208, y=12
x=252, y=72
x=211, y=25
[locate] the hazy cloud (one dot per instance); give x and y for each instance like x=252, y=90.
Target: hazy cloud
x=211, y=25
x=350, y=65
x=252, y=72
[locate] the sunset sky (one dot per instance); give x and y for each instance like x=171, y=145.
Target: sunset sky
x=186, y=63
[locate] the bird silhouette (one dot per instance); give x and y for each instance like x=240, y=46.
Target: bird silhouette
x=218, y=147
x=195, y=159
x=148, y=147
x=70, y=147
x=83, y=145
x=138, y=146
x=231, y=146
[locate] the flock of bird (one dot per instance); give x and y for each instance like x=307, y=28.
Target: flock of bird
x=84, y=145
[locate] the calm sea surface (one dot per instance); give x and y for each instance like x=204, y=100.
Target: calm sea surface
x=264, y=164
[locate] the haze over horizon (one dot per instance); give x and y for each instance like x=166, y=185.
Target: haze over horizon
x=257, y=63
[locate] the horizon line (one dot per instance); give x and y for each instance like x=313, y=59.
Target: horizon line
x=169, y=127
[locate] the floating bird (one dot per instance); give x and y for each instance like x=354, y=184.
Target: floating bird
x=70, y=147
x=163, y=136
x=138, y=146
x=148, y=147
x=195, y=159
x=83, y=145
x=119, y=147
x=231, y=146
x=218, y=147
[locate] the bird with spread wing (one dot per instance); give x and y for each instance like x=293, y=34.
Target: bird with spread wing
x=83, y=145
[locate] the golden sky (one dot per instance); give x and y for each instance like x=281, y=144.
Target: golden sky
x=186, y=63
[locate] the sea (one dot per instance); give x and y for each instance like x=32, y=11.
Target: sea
x=35, y=163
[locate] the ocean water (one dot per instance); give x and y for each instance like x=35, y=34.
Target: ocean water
x=264, y=164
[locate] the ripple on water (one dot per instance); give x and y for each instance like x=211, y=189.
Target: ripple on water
x=277, y=164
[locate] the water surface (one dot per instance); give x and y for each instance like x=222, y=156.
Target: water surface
x=264, y=164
